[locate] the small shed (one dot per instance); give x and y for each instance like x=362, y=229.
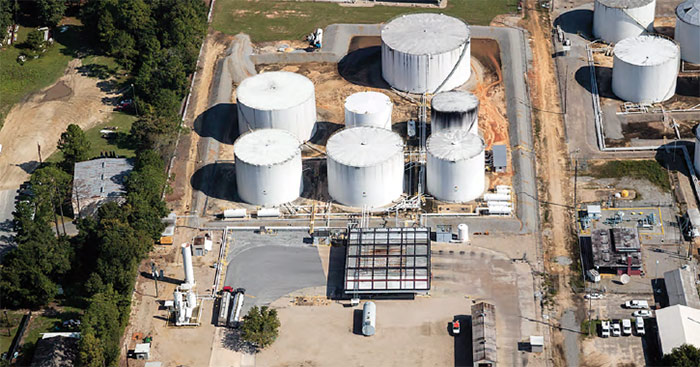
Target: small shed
x=594, y=211
x=142, y=351
x=536, y=343
x=443, y=233
x=500, y=158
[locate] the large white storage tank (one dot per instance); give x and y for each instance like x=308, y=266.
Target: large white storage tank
x=419, y=51
x=454, y=110
x=365, y=166
x=268, y=167
x=645, y=69
x=455, y=166
x=687, y=32
x=277, y=100
x=368, y=109
x=615, y=20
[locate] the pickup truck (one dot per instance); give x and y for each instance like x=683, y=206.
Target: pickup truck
x=639, y=325
x=635, y=303
x=626, y=327
x=605, y=329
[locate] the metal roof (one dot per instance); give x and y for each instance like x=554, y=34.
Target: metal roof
x=646, y=50
x=425, y=33
x=689, y=12
x=363, y=146
x=681, y=289
x=102, y=177
x=454, y=145
x=500, y=156
x=454, y=101
x=484, y=333
x=624, y=4
x=266, y=147
x=367, y=102
x=678, y=325
x=275, y=90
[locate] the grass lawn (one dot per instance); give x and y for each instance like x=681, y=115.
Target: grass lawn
x=268, y=20
x=116, y=143
x=5, y=340
x=16, y=81
x=44, y=323
x=649, y=170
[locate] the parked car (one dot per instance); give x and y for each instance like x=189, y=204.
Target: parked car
x=642, y=313
x=605, y=328
x=593, y=296
x=455, y=327
x=616, y=330
x=639, y=325
x=635, y=303
x=626, y=327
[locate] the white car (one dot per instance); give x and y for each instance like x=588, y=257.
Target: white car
x=616, y=331
x=639, y=325
x=626, y=327
x=605, y=328
x=593, y=296
x=642, y=313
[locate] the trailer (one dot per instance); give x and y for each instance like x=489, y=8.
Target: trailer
x=234, y=319
x=224, y=306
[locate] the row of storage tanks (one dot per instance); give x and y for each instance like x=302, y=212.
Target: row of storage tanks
x=645, y=66
x=365, y=161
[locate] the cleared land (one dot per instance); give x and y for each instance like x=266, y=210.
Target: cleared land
x=117, y=142
x=268, y=20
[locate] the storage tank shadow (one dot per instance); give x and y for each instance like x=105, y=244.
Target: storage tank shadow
x=363, y=63
x=369, y=318
x=205, y=179
x=219, y=122
x=576, y=21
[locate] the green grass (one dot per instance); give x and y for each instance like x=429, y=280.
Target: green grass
x=17, y=81
x=649, y=170
x=589, y=329
x=40, y=324
x=5, y=340
x=268, y=20
x=118, y=142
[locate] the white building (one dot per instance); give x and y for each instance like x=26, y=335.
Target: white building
x=680, y=287
x=678, y=325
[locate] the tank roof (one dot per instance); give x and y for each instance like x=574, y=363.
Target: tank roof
x=266, y=147
x=425, y=33
x=689, y=12
x=646, y=50
x=455, y=101
x=625, y=4
x=367, y=102
x=363, y=146
x=455, y=145
x=275, y=90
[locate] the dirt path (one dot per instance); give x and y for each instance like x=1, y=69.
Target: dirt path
x=552, y=168
x=42, y=117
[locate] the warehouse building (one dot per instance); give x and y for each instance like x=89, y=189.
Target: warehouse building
x=484, y=334
x=678, y=325
x=680, y=288
x=614, y=250
x=97, y=182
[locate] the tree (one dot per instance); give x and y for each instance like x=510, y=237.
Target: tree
x=90, y=349
x=50, y=12
x=51, y=187
x=260, y=326
x=35, y=40
x=684, y=356
x=75, y=147
x=7, y=12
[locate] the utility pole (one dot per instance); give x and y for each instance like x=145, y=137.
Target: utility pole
x=154, y=274
x=38, y=146
x=133, y=95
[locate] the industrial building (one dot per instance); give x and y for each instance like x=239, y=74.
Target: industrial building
x=678, y=325
x=455, y=166
x=387, y=261
x=681, y=288
x=454, y=110
x=615, y=250
x=422, y=53
x=277, y=100
x=687, y=32
x=268, y=167
x=368, y=109
x=56, y=350
x=615, y=20
x=484, y=346
x=645, y=69
x=499, y=156
x=365, y=166
x=97, y=182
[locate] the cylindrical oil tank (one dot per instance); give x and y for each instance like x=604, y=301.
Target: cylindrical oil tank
x=455, y=166
x=365, y=166
x=463, y=232
x=369, y=318
x=268, y=167
x=277, y=100
x=615, y=20
x=368, y=109
x=645, y=69
x=420, y=52
x=187, y=263
x=687, y=32
x=454, y=110
x=696, y=162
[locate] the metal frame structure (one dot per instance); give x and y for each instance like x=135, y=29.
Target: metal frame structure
x=387, y=261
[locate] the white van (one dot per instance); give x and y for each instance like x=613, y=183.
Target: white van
x=626, y=327
x=636, y=303
x=639, y=325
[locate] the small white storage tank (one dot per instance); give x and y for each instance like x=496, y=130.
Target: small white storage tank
x=277, y=100
x=455, y=166
x=369, y=318
x=419, y=51
x=365, y=166
x=456, y=110
x=645, y=69
x=463, y=232
x=268, y=167
x=368, y=109
x=615, y=20
x=687, y=32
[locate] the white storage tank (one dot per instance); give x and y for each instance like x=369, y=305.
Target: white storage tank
x=645, y=69
x=687, y=32
x=419, y=51
x=277, y=100
x=615, y=20
x=368, y=109
x=365, y=166
x=455, y=166
x=463, y=232
x=454, y=110
x=369, y=318
x=268, y=167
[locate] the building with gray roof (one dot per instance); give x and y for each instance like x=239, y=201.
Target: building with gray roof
x=97, y=182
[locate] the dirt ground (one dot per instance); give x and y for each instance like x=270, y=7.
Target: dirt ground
x=41, y=118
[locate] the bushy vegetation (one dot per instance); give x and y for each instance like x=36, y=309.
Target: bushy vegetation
x=649, y=170
x=261, y=326
x=684, y=356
